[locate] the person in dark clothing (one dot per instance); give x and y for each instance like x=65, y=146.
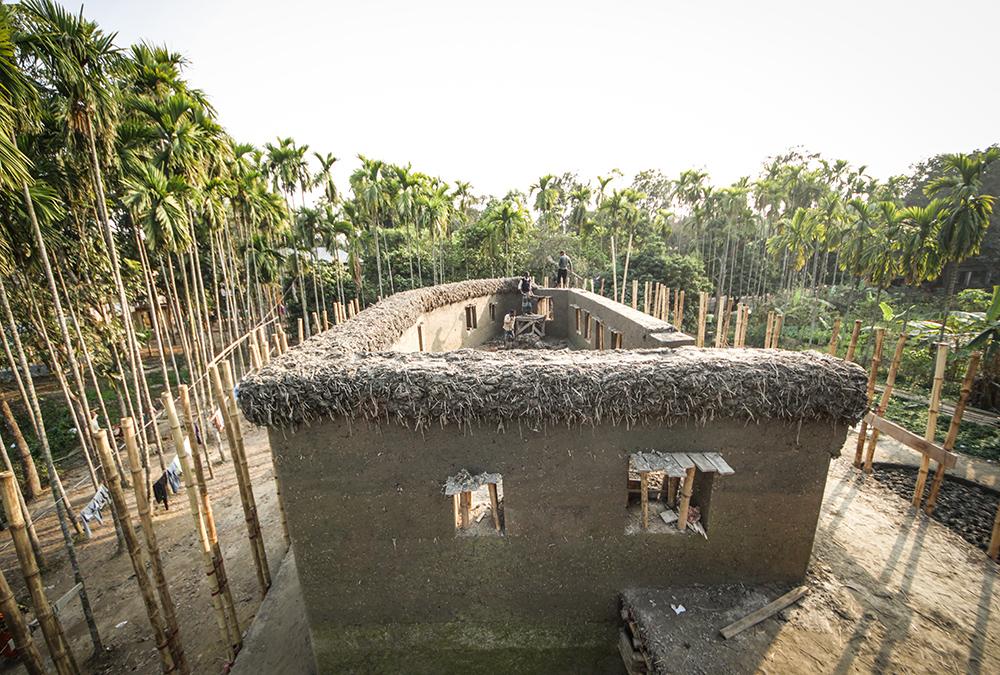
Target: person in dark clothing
x=565, y=265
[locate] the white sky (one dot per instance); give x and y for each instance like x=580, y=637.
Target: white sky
x=499, y=93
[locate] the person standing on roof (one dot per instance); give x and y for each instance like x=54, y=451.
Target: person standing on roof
x=565, y=265
x=526, y=286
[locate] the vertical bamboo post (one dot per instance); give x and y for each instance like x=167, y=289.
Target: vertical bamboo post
x=746, y=325
x=665, y=314
x=702, y=315
x=265, y=351
x=869, y=394
x=284, y=342
x=739, y=325
x=52, y=630
x=464, y=505
x=495, y=505
x=853, y=344
x=26, y=647
x=956, y=421
x=357, y=306
x=120, y=506
x=779, y=321
x=720, y=311
x=635, y=294
x=301, y=328
x=769, y=329
x=890, y=382
x=230, y=637
x=242, y=480
x=644, y=497
x=685, y=504
x=255, y=361
x=315, y=322
x=645, y=298
x=680, y=311
x=234, y=414
x=933, y=410
x=725, y=323
x=834, y=337
x=29, y=524
x=152, y=546
x=32, y=483
x=994, y=550
x=326, y=320
x=670, y=494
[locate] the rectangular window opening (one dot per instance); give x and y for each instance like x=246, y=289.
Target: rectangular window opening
x=665, y=489
x=577, y=317
x=616, y=340
x=420, y=337
x=470, y=317
x=478, y=502
x=586, y=325
x=598, y=334
x=493, y=311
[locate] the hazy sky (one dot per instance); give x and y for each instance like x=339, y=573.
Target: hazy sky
x=500, y=93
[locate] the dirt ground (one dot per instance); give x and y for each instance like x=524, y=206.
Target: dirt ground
x=110, y=582
x=891, y=590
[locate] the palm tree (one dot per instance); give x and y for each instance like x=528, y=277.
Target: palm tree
x=507, y=219
x=580, y=197
x=547, y=199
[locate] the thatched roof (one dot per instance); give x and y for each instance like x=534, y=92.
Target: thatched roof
x=344, y=373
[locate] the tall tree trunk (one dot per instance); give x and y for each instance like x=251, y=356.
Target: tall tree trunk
x=32, y=483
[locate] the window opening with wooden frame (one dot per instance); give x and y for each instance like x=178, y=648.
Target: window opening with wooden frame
x=493, y=311
x=598, y=334
x=470, y=317
x=478, y=503
x=420, y=337
x=671, y=492
x=577, y=316
x=586, y=325
x=616, y=339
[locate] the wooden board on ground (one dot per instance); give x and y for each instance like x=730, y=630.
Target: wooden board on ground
x=768, y=610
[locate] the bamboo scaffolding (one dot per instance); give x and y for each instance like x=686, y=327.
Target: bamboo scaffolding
x=853, y=345
x=234, y=436
x=153, y=547
x=890, y=382
x=834, y=337
x=956, y=421
x=870, y=393
x=135, y=554
x=228, y=627
x=702, y=316
x=933, y=409
x=52, y=630
x=25, y=646
x=779, y=321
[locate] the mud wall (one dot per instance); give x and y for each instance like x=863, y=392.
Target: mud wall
x=388, y=586
x=444, y=329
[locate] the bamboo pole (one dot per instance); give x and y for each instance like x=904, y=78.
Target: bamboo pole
x=645, y=298
x=934, y=408
x=242, y=479
x=255, y=361
x=29, y=524
x=32, y=483
x=869, y=393
x=679, y=311
x=725, y=323
x=994, y=549
x=739, y=325
x=702, y=315
x=956, y=421
x=644, y=497
x=153, y=547
x=614, y=269
x=656, y=300
x=628, y=256
x=301, y=329
x=494, y=505
x=234, y=413
x=834, y=337
x=25, y=646
x=635, y=294
x=890, y=382
x=230, y=637
x=135, y=554
x=685, y=503
x=779, y=321
x=853, y=345
x=315, y=322
x=326, y=320
x=720, y=311
x=52, y=630
x=769, y=329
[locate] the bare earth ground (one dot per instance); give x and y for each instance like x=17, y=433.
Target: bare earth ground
x=111, y=582
x=892, y=591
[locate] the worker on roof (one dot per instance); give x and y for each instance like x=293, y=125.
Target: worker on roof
x=565, y=265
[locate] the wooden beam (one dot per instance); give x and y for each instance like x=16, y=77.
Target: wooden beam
x=702, y=315
x=890, y=382
x=644, y=498
x=494, y=505
x=956, y=421
x=834, y=337
x=853, y=345
x=870, y=393
x=685, y=504
x=720, y=310
x=768, y=610
x=911, y=440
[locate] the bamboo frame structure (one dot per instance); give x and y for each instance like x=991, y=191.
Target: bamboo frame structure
x=26, y=647
x=55, y=639
x=702, y=316
x=890, y=382
x=120, y=507
x=956, y=421
x=228, y=626
x=834, y=337
x=869, y=393
x=934, y=408
x=235, y=439
x=853, y=345
x=153, y=547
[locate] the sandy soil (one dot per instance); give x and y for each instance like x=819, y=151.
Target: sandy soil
x=111, y=582
x=891, y=591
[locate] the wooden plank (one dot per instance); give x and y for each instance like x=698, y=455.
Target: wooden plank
x=703, y=464
x=644, y=498
x=673, y=468
x=720, y=464
x=768, y=610
x=682, y=459
x=494, y=505
x=685, y=503
x=911, y=440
